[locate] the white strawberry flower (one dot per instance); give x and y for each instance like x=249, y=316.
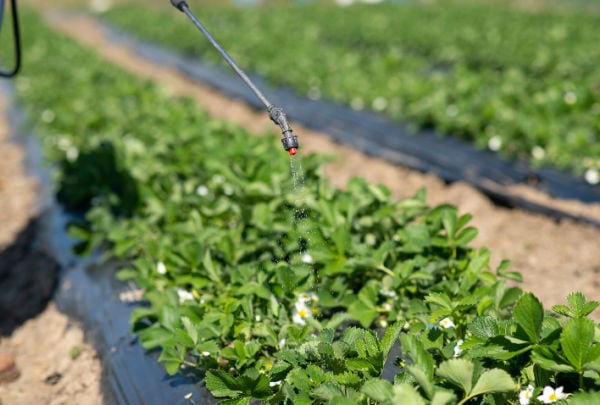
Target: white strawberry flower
x=495, y=143
x=457, y=349
x=306, y=297
x=184, y=295
x=447, y=323
x=538, y=152
x=525, y=395
x=387, y=293
x=161, y=268
x=592, y=176
x=202, y=190
x=72, y=153
x=48, y=116
x=306, y=258
x=570, y=97
x=551, y=395
x=300, y=313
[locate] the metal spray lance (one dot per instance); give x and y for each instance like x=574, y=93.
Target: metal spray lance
x=277, y=115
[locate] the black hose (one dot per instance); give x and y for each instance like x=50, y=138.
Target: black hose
x=17, y=36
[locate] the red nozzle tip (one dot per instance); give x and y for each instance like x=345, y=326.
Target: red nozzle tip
x=292, y=151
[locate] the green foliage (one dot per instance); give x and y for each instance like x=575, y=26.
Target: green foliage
x=287, y=295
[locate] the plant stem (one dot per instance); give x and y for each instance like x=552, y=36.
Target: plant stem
x=385, y=270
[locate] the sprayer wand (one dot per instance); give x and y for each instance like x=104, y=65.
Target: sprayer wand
x=277, y=115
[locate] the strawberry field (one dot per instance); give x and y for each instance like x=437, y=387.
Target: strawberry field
x=275, y=286
x=522, y=84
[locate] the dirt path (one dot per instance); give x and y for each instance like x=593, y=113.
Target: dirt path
x=55, y=363
x=555, y=258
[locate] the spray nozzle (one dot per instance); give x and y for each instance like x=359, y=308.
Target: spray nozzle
x=289, y=140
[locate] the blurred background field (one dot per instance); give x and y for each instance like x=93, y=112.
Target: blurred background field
x=518, y=78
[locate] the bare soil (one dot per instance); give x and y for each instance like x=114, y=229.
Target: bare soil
x=56, y=365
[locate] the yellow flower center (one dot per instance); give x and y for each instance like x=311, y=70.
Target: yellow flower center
x=552, y=397
x=302, y=313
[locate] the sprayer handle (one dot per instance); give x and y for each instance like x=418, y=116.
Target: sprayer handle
x=179, y=4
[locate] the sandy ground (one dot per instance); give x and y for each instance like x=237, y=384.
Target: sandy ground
x=57, y=366
x=555, y=258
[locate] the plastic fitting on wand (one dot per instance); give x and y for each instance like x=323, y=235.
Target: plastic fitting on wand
x=289, y=140
x=179, y=4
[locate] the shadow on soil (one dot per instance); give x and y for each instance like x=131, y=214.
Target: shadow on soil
x=28, y=278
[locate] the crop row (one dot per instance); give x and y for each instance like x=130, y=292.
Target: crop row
x=523, y=84
x=280, y=292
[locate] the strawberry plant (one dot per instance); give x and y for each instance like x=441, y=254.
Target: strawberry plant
x=289, y=294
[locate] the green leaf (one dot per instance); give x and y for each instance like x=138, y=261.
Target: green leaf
x=190, y=329
x=483, y=327
x=440, y=299
x=422, y=379
x=406, y=394
x=336, y=320
x=364, y=309
x=443, y=397
x=210, y=268
x=576, y=302
x=529, y=314
x=466, y=235
x=510, y=275
x=459, y=372
x=389, y=338
x=480, y=260
x=127, y=274
x=585, y=398
x=378, y=389
x=576, y=339
x=380, y=192
x=348, y=378
x=327, y=392
x=359, y=365
x=169, y=317
x=413, y=346
x=221, y=384
x=362, y=313
x=562, y=310
x=172, y=366
x=449, y=221
x=549, y=360
x=341, y=239
x=236, y=401
x=256, y=289
x=156, y=337
x=579, y=307
x=261, y=387
x=494, y=380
